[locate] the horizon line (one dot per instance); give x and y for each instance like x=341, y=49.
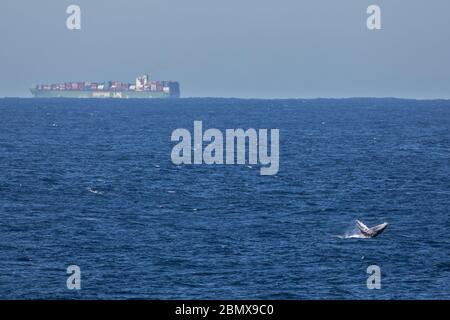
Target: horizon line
x=240, y=98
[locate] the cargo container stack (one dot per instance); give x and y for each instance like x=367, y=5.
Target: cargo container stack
x=141, y=88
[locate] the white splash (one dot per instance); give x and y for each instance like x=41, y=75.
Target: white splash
x=354, y=234
x=94, y=191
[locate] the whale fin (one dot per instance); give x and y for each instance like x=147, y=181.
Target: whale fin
x=362, y=227
x=371, y=232
x=379, y=228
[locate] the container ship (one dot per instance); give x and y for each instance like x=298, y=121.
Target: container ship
x=142, y=88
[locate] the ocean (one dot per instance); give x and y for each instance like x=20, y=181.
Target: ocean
x=91, y=183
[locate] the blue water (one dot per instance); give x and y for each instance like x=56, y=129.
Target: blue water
x=91, y=183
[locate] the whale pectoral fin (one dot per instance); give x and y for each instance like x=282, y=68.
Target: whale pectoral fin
x=362, y=227
x=380, y=227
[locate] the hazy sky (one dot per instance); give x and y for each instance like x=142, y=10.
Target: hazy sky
x=232, y=48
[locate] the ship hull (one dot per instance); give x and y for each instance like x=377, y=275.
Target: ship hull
x=101, y=94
